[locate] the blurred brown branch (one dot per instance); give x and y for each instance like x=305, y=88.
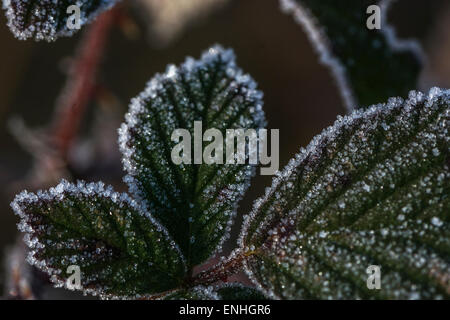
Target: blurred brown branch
x=81, y=83
x=50, y=146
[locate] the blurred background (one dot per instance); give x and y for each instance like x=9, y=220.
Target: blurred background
x=301, y=97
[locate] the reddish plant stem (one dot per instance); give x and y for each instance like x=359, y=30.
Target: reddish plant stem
x=217, y=273
x=221, y=271
x=81, y=83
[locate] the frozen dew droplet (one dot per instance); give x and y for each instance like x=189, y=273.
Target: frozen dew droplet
x=437, y=222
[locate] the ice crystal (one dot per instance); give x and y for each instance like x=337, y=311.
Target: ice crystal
x=369, y=190
x=47, y=19
x=195, y=202
x=369, y=65
x=120, y=249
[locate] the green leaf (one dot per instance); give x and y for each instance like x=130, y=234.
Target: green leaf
x=373, y=189
x=119, y=249
x=195, y=202
x=369, y=65
x=237, y=291
x=47, y=19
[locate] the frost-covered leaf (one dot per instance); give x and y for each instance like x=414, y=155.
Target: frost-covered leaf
x=47, y=19
x=369, y=65
x=237, y=291
x=373, y=189
x=196, y=293
x=119, y=249
x=195, y=202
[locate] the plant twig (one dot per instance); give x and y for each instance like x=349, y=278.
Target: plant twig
x=80, y=86
x=222, y=270
x=50, y=146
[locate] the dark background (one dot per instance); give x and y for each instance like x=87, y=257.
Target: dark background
x=301, y=98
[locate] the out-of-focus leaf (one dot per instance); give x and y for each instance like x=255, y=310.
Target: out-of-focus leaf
x=369, y=65
x=47, y=19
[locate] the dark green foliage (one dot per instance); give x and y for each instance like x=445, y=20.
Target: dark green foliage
x=119, y=249
x=369, y=64
x=373, y=189
x=196, y=202
x=47, y=19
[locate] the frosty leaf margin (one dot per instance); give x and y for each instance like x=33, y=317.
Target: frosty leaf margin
x=339, y=65
x=38, y=218
x=77, y=217
x=47, y=19
x=293, y=234
x=215, y=91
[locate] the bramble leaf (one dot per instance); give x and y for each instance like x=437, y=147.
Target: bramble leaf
x=373, y=189
x=195, y=202
x=47, y=19
x=369, y=65
x=120, y=250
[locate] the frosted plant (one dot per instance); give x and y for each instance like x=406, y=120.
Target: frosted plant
x=196, y=202
x=179, y=215
x=106, y=234
x=47, y=19
x=369, y=65
x=370, y=190
x=373, y=189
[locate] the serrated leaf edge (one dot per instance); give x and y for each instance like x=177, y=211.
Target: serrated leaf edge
x=320, y=42
x=136, y=108
x=80, y=188
x=29, y=32
x=414, y=96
